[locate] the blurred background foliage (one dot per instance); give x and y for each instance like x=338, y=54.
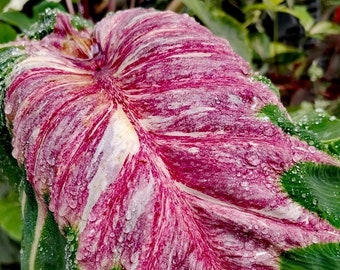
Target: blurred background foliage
x=295, y=43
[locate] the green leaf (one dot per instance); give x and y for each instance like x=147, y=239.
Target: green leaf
x=43, y=246
x=271, y=6
x=260, y=43
x=323, y=28
x=17, y=19
x=314, y=257
x=8, y=33
x=3, y=4
x=280, y=118
x=10, y=215
x=71, y=248
x=223, y=25
x=43, y=26
x=44, y=7
x=283, y=54
x=318, y=121
x=316, y=187
x=9, y=250
x=287, y=58
x=10, y=171
x=304, y=16
x=118, y=267
x=266, y=81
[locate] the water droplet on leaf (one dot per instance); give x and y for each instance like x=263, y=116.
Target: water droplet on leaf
x=252, y=158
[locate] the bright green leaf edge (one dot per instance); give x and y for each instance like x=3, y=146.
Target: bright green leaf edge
x=9, y=57
x=314, y=257
x=316, y=187
x=318, y=121
x=280, y=118
x=263, y=79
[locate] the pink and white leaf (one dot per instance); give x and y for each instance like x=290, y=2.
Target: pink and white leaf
x=144, y=132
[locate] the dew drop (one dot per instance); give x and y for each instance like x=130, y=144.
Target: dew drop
x=217, y=101
x=92, y=217
x=269, y=131
x=134, y=257
x=332, y=118
x=127, y=228
x=311, y=149
x=8, y=108
x=245, y=185
x=121, y=239
x=51, y=161
x=265, y=231
x=249, y=245
x=70, y=237
x=252, y=159
x=128, y=215
x=315, y=201
x=293, y=192
x=298, y=156
x=72, y=202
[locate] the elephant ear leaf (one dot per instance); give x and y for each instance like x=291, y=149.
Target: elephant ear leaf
x=149, y=144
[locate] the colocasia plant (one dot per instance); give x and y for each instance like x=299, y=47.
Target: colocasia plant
x=149, y=144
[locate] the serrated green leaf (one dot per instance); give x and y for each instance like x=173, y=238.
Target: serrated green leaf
x=327, y=127
x=316, y=187
x=223, y=25
x=280, y=119
x=80, y=23
x=314, y=257
x=266, y=81
x=43, y=26
x=43, y=6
